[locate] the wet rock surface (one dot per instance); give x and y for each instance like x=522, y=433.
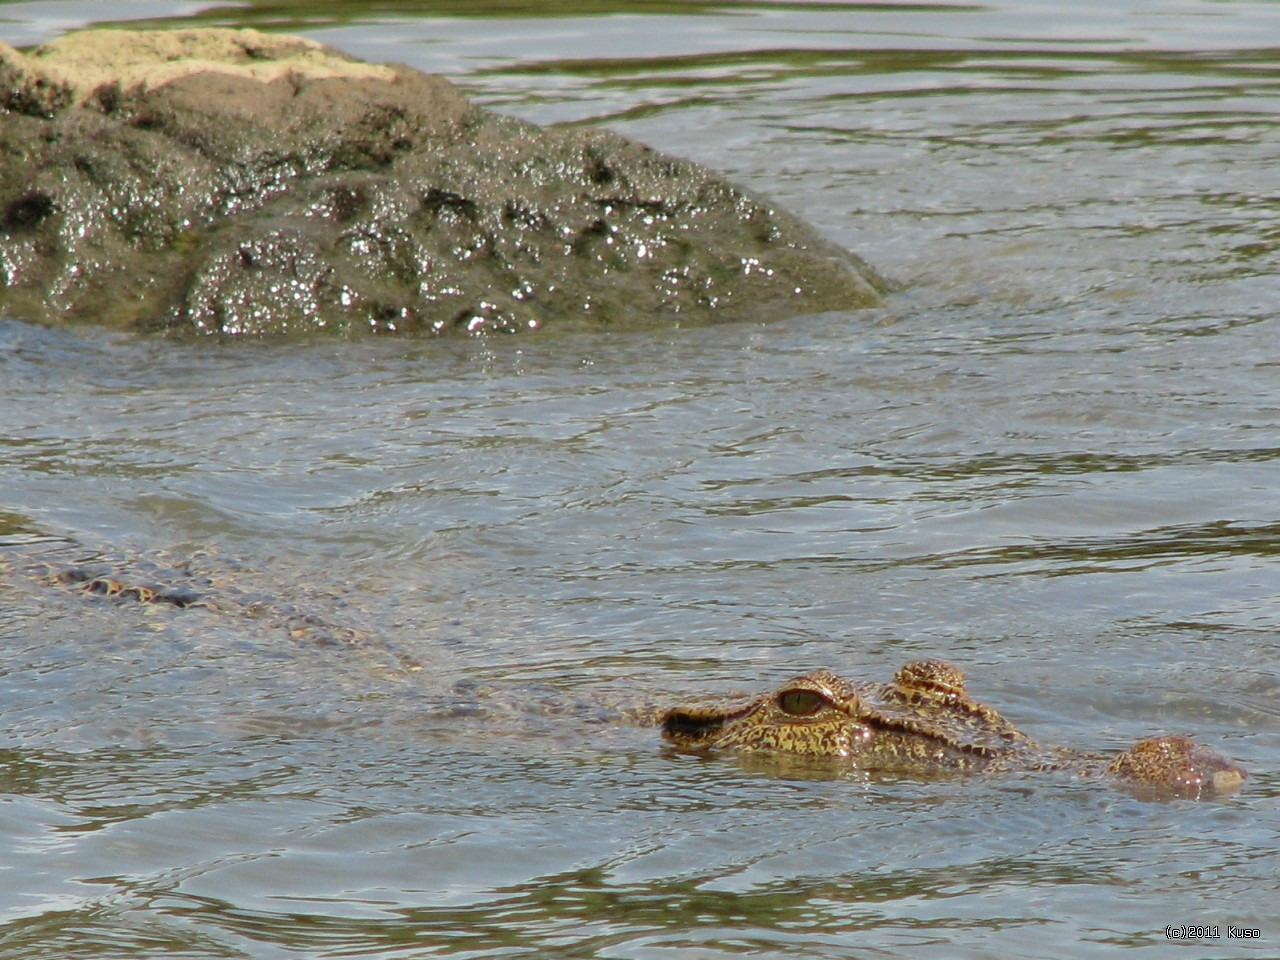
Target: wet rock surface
x=234, y=182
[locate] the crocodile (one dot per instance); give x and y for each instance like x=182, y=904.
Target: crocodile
x=198, y=581
x=925, y=722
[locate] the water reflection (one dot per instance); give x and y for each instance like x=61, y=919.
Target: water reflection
x=1050, y=459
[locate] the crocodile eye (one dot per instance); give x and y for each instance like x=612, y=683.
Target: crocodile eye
x=801, y=703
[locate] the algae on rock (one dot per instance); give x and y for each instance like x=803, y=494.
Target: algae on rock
x=235, y=182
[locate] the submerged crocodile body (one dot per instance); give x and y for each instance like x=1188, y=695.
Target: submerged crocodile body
x=198, y=582
x=922, y=723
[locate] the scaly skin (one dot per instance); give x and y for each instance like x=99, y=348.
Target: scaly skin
x=198, y=583
x=925, y=722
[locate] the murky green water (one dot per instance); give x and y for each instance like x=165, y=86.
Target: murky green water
x=1053, y=458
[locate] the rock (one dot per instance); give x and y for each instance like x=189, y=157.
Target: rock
x=235, y=182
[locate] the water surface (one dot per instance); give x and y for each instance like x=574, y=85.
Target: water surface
x=1051, y=458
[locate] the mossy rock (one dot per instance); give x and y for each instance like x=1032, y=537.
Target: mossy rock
x=235, y=182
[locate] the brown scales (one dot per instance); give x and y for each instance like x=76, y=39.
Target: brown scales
x=924, y=722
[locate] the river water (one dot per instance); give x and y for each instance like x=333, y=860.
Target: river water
x=1051, y=457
